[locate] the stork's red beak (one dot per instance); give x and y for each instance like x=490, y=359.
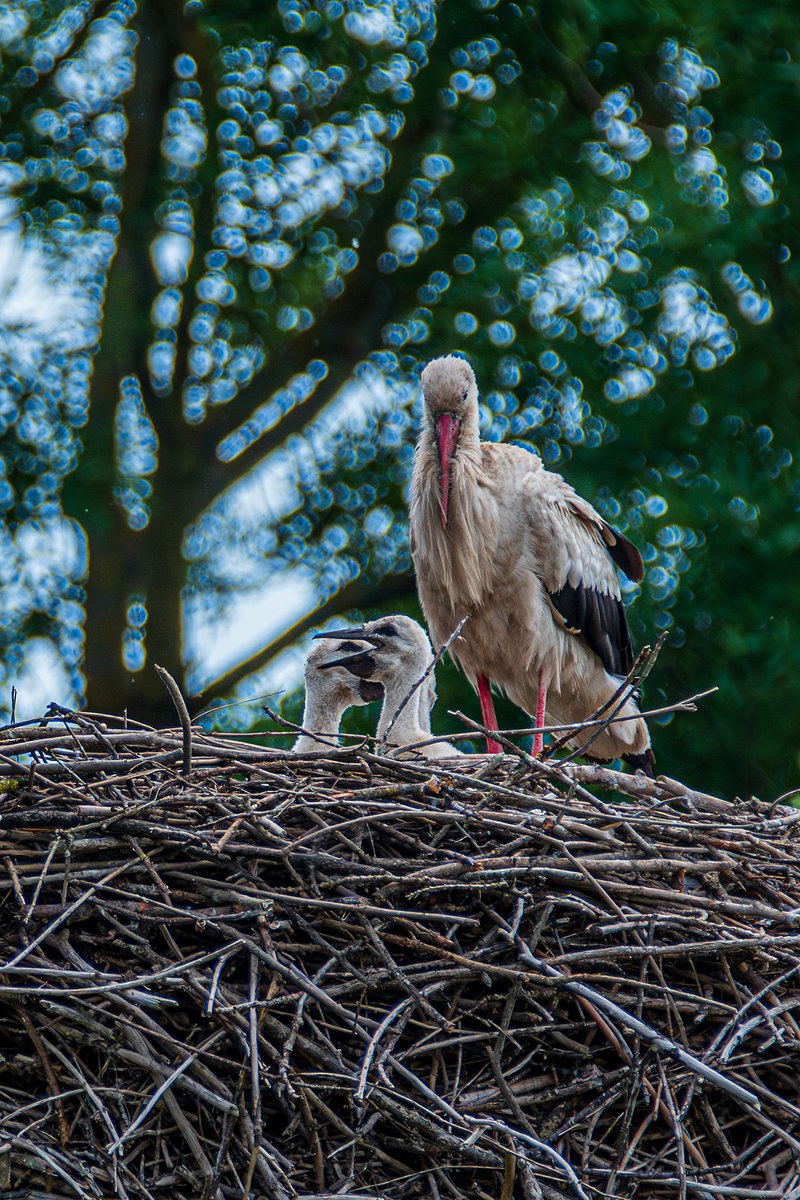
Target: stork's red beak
x=448, y=428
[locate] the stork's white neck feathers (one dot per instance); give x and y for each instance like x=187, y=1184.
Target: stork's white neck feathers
x=405, y=727
x=329, y=693
x=472, y=519
x=322, y=714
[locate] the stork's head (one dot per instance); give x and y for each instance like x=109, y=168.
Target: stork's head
x=450, y=391
x=399, y=651
x=339, y=686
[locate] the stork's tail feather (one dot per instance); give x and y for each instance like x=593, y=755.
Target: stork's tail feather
x=642, y=762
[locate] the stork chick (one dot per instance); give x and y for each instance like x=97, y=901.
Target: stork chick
x=497, y=537
x=401, y=654
x=329, y=694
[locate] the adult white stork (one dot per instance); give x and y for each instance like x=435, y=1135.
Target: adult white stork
x=401, y=653
x=497, y=537
x=328, y=696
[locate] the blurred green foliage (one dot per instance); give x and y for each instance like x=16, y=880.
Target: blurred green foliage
x=267, y=217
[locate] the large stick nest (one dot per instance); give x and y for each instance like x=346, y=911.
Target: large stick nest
x=346, y=975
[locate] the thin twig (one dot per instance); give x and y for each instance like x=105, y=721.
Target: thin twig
x=183, y=715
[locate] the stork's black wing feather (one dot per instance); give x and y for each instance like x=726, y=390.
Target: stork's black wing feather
x=619, y=548
x=600, y=620
x=623, y=552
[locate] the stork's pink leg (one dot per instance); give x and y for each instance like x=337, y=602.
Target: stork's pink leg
x=487, y=712
x=541, y=699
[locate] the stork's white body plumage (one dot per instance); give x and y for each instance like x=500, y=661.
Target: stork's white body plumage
x=399, y=656
x=499, y=539
x=329, y=694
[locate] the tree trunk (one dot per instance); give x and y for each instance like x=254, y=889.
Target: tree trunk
x=117, y=554
x=125, y=564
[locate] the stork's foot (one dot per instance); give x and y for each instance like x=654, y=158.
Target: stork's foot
x=493, y=747
x=538, y=745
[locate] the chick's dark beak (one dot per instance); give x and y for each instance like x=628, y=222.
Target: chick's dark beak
x=357, y=633
x=447, y=429
x=362, y=664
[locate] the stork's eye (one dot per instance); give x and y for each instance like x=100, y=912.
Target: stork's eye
x=464, y=394
x=387, y=631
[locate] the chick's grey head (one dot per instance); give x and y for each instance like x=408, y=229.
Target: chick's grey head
x=448, y=385
x=336, y=682
x=401, y=650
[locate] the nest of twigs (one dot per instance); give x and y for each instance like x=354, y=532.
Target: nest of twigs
x=351, y=976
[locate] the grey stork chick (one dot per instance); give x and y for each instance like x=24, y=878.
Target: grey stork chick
x=497, y=537
x=329, y=693
x=400, y=655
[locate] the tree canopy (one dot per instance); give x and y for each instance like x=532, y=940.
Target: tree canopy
x=231, y=233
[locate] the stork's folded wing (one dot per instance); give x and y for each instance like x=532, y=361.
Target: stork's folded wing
x=577, y=550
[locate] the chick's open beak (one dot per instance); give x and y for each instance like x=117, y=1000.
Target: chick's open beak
x=447, y=428
x=362, y=664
